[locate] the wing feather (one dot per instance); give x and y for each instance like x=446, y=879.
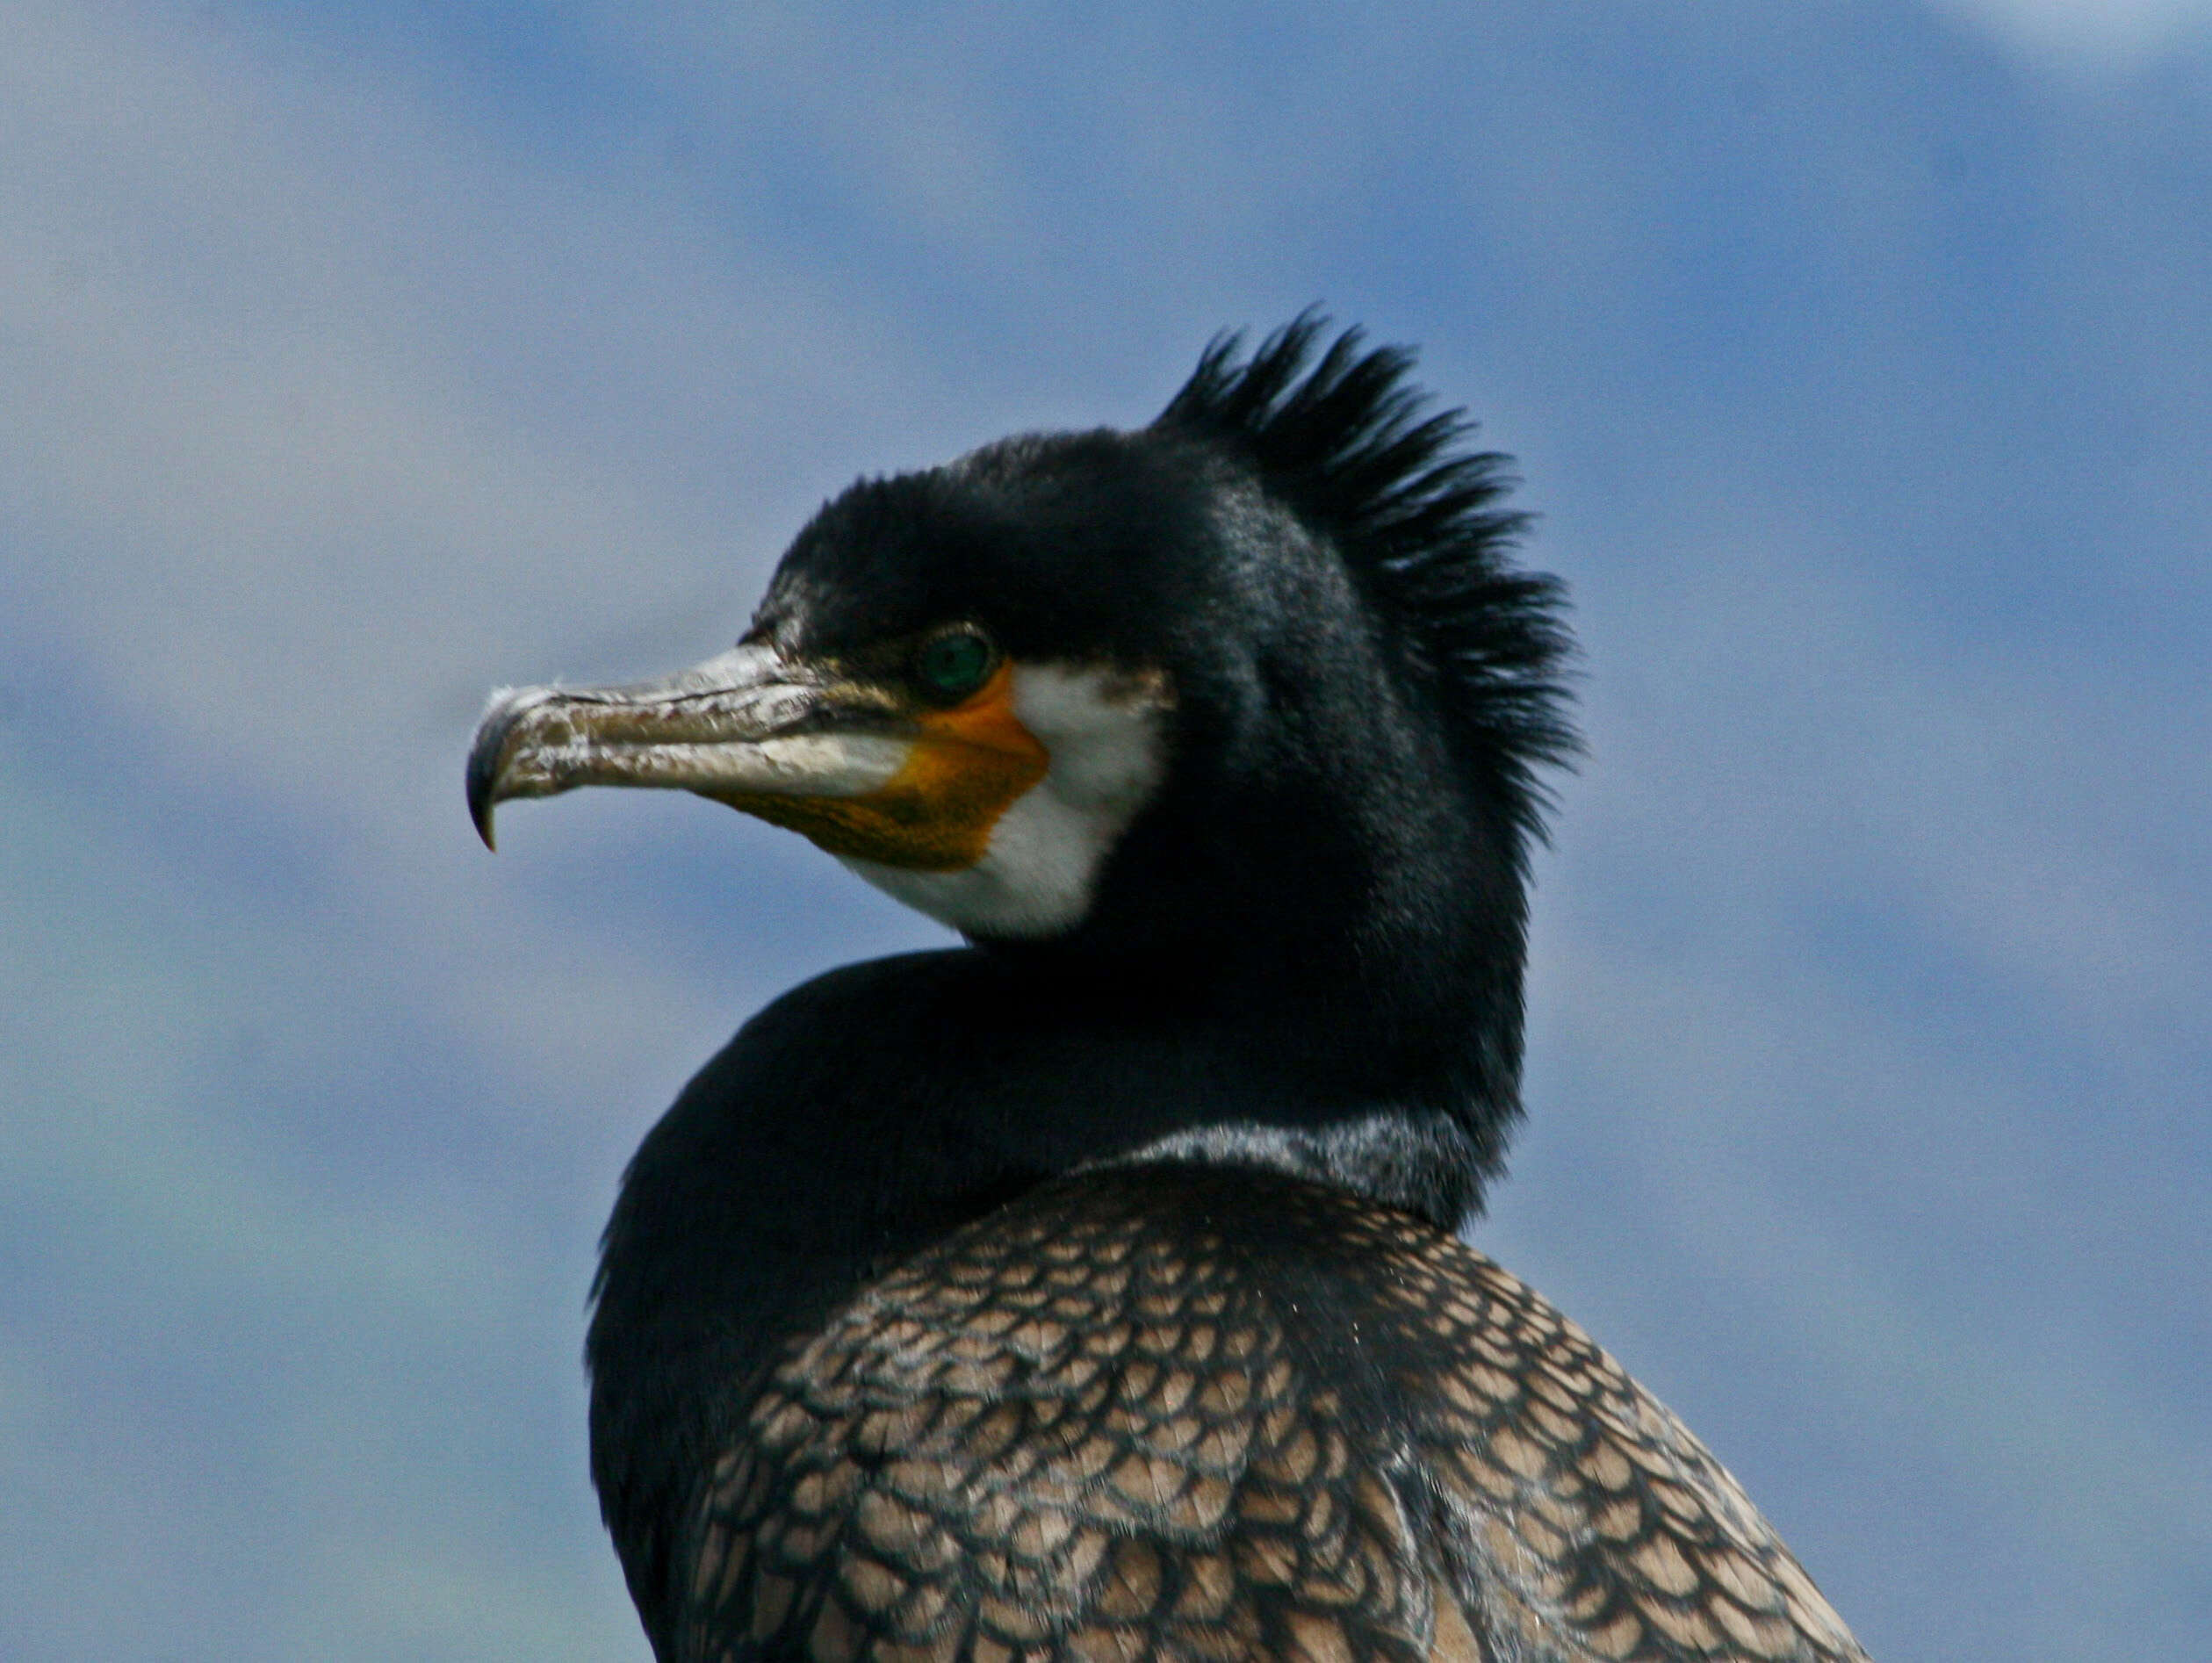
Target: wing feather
x=1170, y=1413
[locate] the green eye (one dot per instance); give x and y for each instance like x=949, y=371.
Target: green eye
x=954, y=665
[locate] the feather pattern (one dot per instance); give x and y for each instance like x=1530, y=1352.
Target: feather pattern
x=1169, y=1413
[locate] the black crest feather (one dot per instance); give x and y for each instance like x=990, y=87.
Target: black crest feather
x=1348, y=441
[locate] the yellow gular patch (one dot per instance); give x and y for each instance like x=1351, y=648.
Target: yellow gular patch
x=936, y=813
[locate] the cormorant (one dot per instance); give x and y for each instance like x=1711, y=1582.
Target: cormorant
x=1092, y=1290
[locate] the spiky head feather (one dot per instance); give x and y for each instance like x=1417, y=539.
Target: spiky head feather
x=1349, y=443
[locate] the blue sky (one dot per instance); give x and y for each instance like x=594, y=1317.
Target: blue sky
x=355, y=359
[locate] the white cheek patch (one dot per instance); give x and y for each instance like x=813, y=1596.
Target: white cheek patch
x=1105, y=731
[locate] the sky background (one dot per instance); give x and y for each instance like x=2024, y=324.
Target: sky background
x=356, y=357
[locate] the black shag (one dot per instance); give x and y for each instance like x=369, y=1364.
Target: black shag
x=1093, y=1291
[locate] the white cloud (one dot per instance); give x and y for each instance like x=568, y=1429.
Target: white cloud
x=2089, y=36
x=282, y=494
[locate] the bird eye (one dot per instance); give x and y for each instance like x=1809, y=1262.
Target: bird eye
x=954, y=665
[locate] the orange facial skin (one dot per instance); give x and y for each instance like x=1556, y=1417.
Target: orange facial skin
x=968, y=766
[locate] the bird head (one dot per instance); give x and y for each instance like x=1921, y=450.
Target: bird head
x=1260, y=670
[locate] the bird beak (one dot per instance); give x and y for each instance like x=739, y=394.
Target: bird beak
x=856, y=767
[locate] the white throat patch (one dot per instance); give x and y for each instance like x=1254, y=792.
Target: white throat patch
x=1105, y=731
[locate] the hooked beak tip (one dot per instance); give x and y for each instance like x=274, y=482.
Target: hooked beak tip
x=486, y=756
x=482, y=802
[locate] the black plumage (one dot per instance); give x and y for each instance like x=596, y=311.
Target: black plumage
x=1090, y=1290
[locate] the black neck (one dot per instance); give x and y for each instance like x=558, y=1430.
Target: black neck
x=881, y=1105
